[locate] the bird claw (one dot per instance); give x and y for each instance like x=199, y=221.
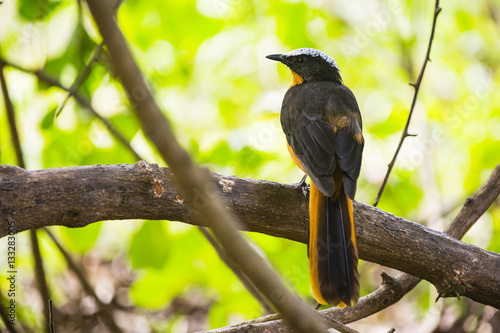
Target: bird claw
x=304, y=186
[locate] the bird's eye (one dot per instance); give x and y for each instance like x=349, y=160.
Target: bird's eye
x=301, y=60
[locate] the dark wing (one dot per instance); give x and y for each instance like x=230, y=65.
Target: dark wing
x=320, y=143
x=350, y=142
x=314, y=145
x=349, y=152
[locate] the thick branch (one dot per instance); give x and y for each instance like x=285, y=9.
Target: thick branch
x=77, y=196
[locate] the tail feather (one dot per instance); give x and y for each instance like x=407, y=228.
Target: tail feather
x=333, y=257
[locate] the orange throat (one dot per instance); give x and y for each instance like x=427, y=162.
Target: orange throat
x=297, y=79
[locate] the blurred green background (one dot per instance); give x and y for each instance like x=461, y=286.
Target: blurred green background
x=205, y=62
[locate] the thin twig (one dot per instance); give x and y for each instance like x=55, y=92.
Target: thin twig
x=197, y=184
x=51, y=317
x=35, y=248
x=40, y=274
x=229, y=263
x=80, y=99
x=105, y=314
x=415, y=85
x=12, y=119
x=80, y=78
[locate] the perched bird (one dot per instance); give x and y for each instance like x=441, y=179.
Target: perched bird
x=322, y=124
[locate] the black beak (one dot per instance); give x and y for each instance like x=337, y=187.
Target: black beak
x=275, y=57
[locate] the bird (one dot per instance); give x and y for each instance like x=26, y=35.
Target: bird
x=322, y=124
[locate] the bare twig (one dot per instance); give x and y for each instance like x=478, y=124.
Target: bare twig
x=196, y=182
x=80, y=99
x=81, y=77
x=51, y=317
x=415, y=85
x=39, y=271
x=40, y=275
x=12, y=119
x=248, y=284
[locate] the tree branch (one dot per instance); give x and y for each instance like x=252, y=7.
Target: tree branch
x=196, y=182
x=77, y=196
x=415, y=85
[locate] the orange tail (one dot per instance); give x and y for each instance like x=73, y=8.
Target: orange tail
x=333, y=257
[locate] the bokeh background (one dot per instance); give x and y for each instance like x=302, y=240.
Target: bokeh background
x=205, y=61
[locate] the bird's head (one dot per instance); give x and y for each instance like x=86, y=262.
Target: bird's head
x=309, y=65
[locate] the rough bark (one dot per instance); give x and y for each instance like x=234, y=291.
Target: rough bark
x=77, y=196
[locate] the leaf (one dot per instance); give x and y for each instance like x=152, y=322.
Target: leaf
x=35, y=10
x=151, y=290
x=292, y=19
x=48, y=120
x=148, y=247
x=126, y=124
x=81, y=240
x=222, y=154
